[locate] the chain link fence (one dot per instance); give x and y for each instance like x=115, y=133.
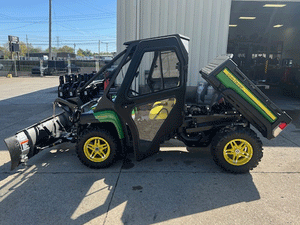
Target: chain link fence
x=6, y=67
x=52, y=68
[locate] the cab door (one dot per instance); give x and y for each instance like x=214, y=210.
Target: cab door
x=152, y=96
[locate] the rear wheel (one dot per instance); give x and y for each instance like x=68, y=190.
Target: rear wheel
x=96, y=149
x=238, y=150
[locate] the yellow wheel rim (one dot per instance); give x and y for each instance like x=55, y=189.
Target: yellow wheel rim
x=238, y=152
x=96, y=149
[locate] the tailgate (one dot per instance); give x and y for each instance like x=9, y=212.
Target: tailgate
x=224, y=75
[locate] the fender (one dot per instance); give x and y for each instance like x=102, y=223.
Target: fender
x=111, y=117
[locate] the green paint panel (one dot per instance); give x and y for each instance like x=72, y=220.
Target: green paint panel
x=228, y=83
x=109, y=116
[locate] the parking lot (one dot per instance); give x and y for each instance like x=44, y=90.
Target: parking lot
x=175, y=186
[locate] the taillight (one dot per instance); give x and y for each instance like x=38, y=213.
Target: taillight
x=279, y=128
x=282, y=125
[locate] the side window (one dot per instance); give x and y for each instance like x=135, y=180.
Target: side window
x=170, y=69
x=158, y=71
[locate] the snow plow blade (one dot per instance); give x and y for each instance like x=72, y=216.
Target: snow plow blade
x=30, y=141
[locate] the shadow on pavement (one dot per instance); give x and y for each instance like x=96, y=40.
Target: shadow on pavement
x=56, y=188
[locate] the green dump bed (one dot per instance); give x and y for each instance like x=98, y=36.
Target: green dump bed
x=224, y=75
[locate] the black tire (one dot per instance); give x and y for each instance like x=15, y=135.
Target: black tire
x=238, y=150
x=102, y=150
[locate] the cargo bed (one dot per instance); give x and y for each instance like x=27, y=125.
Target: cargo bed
x=224, y=75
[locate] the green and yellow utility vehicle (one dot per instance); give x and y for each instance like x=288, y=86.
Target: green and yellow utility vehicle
x=137, y=101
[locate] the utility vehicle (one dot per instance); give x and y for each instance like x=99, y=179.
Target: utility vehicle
x=143, y=104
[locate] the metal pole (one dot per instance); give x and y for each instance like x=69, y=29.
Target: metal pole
x=10, y=48
x=27, y=47
x=99, y=47
x=97, y=65
x=50, y=19
x=15, y=65
x=41, y=68
x=69, y=67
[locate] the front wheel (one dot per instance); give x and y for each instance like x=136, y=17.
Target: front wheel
x=237, y=151
x=96, y=149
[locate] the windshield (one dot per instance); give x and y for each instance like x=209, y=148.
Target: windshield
x=109, y=71
x=94, y=88
x=117, y=82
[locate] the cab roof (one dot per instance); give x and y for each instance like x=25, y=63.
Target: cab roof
x=179, y=36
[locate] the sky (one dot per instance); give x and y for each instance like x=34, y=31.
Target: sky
x=80, y=22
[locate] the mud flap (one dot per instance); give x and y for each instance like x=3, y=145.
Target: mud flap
x=23, y=145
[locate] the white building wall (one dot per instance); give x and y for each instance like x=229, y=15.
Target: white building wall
x=204, y=21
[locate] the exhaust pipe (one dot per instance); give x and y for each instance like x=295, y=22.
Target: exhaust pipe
x=30, y=141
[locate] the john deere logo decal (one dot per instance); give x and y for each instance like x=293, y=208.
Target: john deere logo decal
x=236, y=85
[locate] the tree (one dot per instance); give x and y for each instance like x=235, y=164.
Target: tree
x=5, y=52
x=54, y=49
x=66, y=49
x=23, y=49
x=81, y=52
x=88, y=52
x=34, y=50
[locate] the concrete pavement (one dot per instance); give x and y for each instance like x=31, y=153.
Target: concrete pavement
x=172, y=187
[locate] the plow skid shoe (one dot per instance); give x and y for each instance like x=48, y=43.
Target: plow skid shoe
x=14, y=149
x=28, y=142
